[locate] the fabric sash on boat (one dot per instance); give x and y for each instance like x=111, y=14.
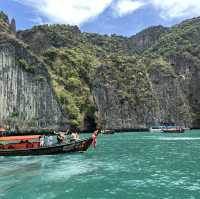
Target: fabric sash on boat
x=22, y=138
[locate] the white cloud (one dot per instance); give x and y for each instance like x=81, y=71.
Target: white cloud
x=124, y=7
x=167, y=9
x=77, y=12
x=74, y=12
x=176, y=8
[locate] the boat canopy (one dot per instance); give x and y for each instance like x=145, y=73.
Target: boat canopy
x=22, y=138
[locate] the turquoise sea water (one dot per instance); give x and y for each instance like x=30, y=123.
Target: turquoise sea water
x=124, y=166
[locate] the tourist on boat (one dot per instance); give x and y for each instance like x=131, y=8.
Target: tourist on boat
x=74, y=133
x=41, y=141
x=75, y=136
x=2, y=129
x=61, y=138
x=46, y=140
x=50, y=140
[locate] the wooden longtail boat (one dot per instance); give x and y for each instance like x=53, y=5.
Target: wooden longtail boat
x=25, y=148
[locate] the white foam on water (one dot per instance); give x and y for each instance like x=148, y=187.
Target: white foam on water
x=67, y=170
x=48, y=195
x=194, y=187
x=172, y=138
x=178, y=138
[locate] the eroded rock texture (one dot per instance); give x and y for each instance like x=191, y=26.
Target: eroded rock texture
x=26, y=96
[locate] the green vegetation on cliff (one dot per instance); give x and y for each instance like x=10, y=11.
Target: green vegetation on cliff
x=155, y=73
x=72, y=72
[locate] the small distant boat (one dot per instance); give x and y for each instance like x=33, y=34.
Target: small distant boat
x=173, y=130
x=28, y=146
x=107, y=131
x=167, y=127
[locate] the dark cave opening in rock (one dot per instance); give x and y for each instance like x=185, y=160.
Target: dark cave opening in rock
x=89, y=123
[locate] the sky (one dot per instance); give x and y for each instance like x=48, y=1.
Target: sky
x=122, y=17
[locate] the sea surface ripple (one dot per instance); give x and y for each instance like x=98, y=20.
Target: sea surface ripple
x=123, y=166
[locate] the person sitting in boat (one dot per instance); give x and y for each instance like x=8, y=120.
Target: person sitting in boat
x=41, y=141
x=61, y=138
x=50, y=140
x=2, y=131
x=75, y=136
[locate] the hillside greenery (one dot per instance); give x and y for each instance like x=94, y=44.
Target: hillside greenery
x=72, y=72
x=75, y=59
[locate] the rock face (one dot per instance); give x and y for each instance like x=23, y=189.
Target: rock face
x=41, y=38
x=145, y=39
x=124, y=106
x=172, y=103
x=26, y=96
x=13, y=27
x=133, y=82
x=189, y=83
x=5, y=25
x=142, y=98
x=172, y=81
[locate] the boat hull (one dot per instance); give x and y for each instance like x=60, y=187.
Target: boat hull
x=173, y=131
x=76, y=146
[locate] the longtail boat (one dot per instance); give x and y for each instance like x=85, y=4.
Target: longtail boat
x=30, y=145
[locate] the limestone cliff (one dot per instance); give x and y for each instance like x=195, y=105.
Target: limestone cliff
x=5, y=25
x=41, y=38
x=26, y=95
x=123, y=94
x=145, y=39
x=130, y=95
x=119, y=82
